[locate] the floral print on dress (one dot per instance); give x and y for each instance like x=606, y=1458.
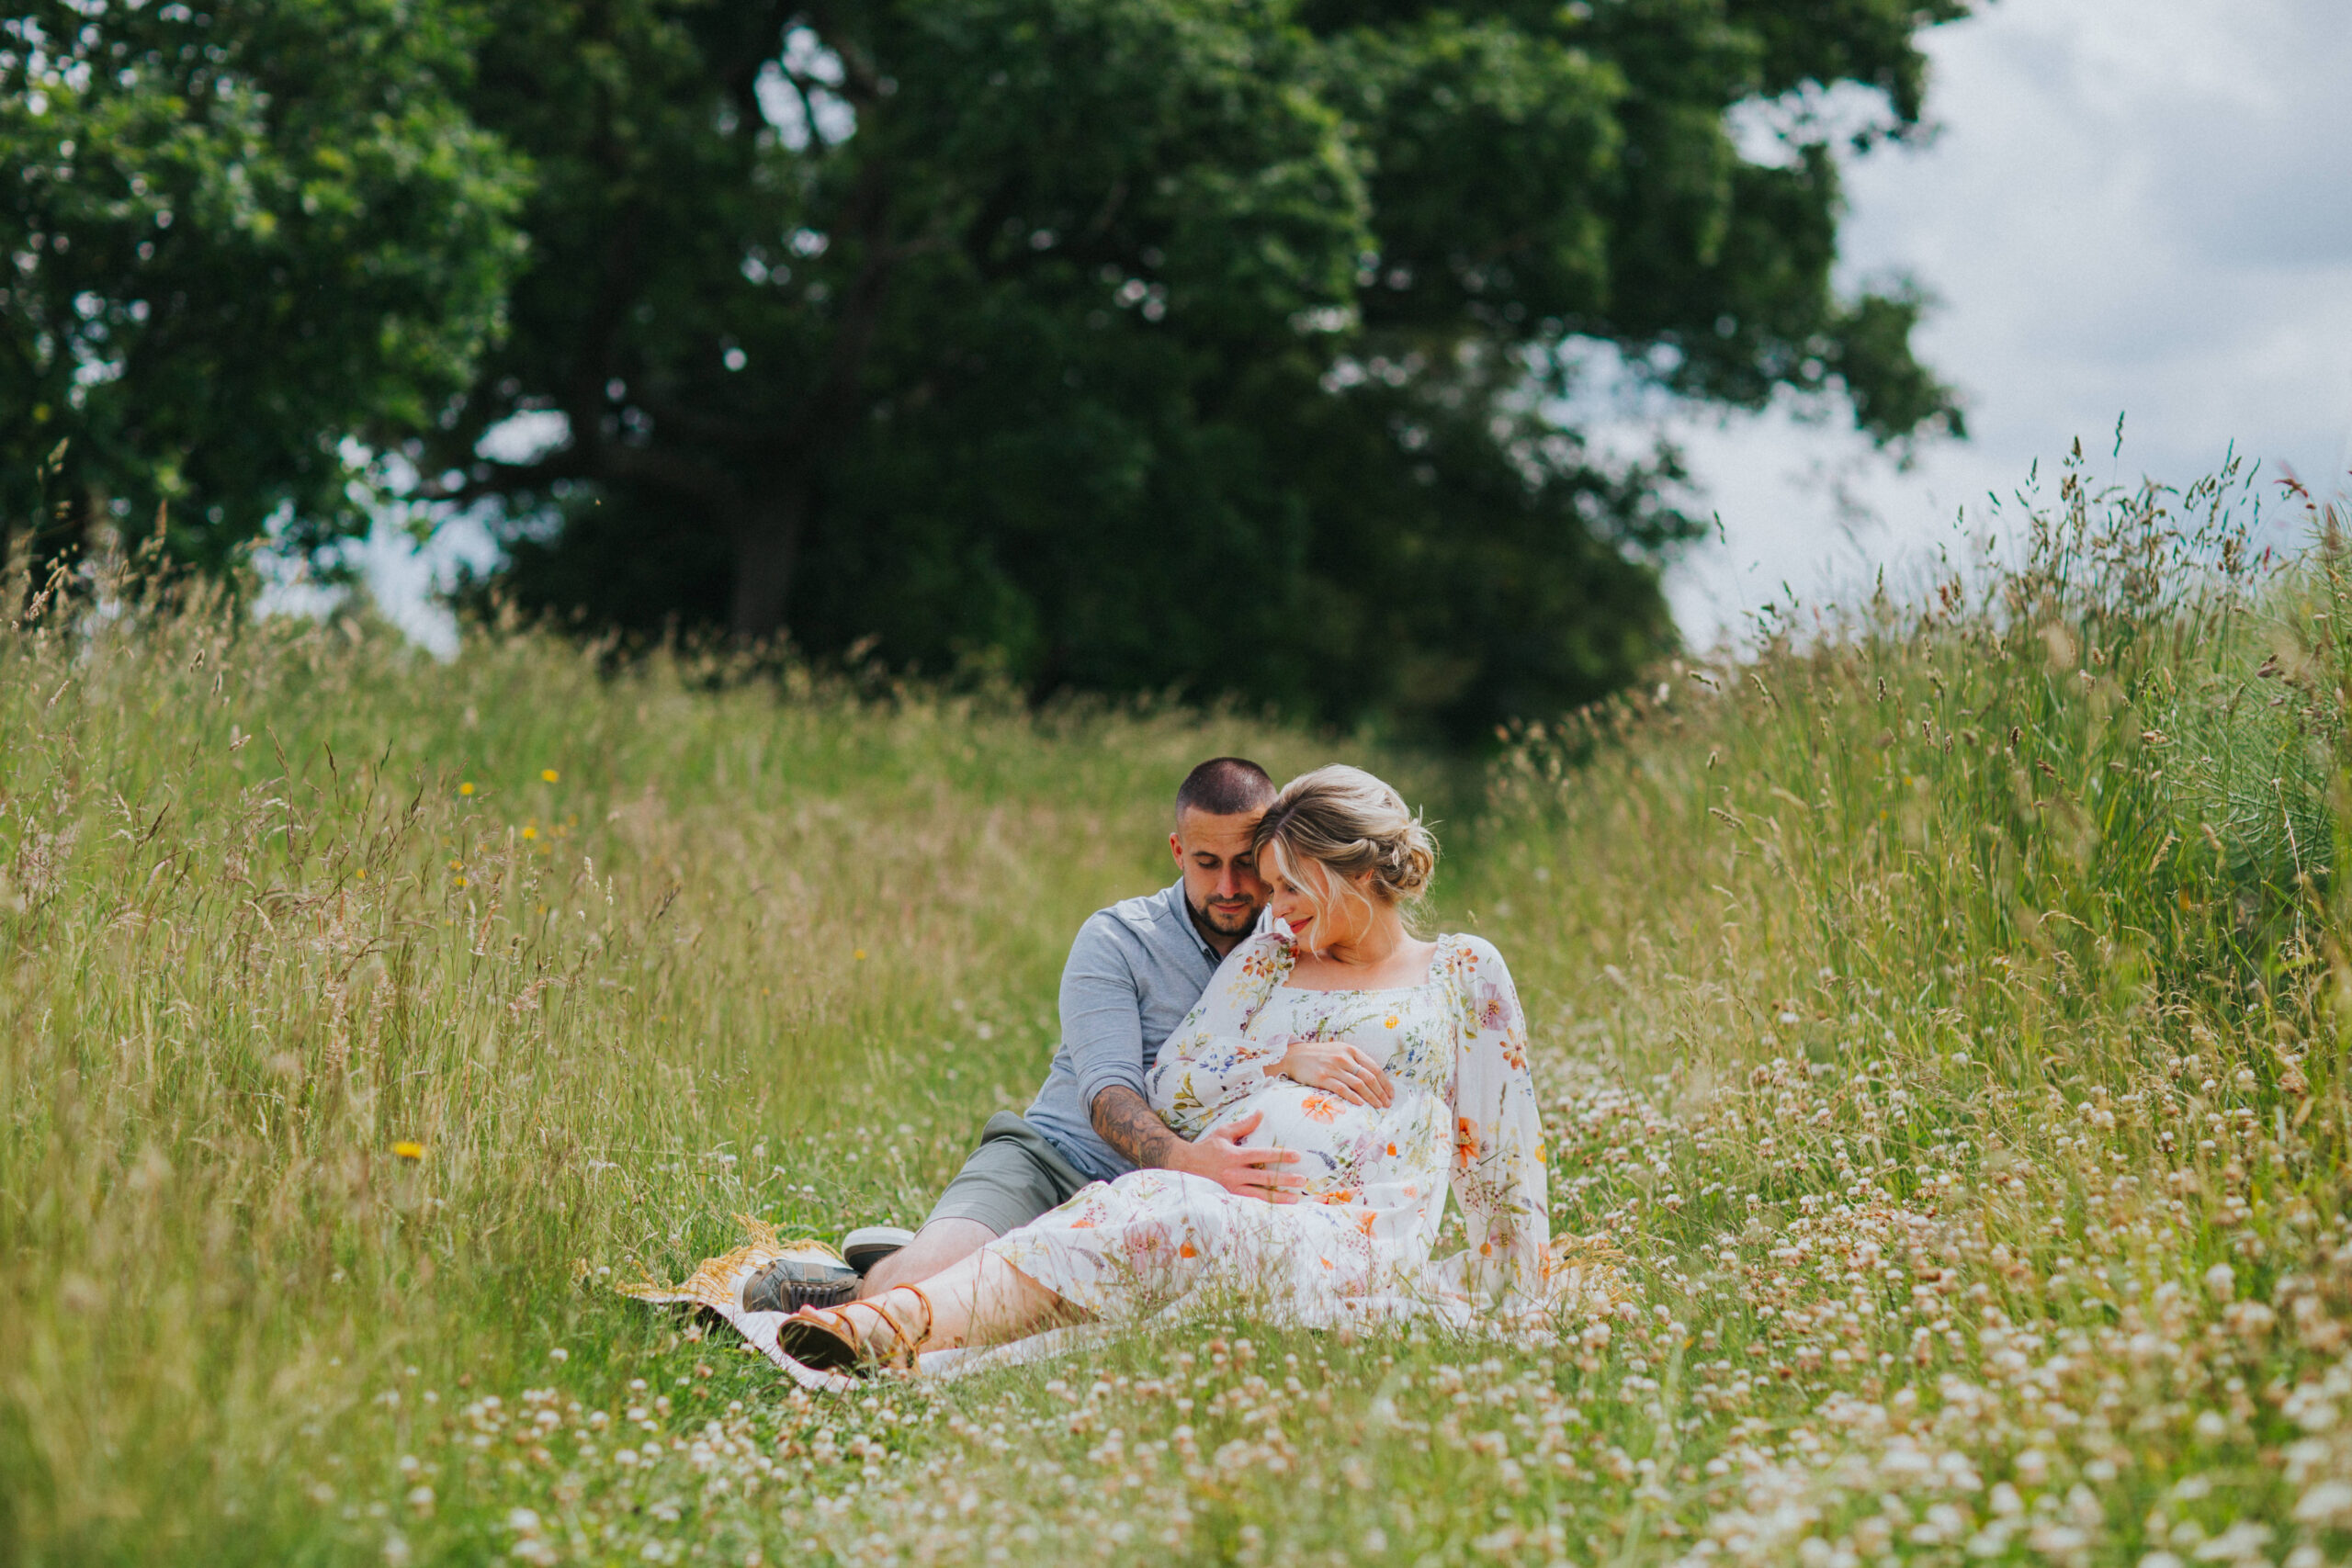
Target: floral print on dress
x=1463, y=1119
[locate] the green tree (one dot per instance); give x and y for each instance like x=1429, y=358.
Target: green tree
x=788, y=304
x=1213, y=346
x=1150, y=343
x=242, y=235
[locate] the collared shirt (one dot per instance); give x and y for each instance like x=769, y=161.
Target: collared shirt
x=1135, y=971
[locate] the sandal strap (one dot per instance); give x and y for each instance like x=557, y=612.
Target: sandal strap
x=929, y=1316
x=908, y=1345
x=837, y=1320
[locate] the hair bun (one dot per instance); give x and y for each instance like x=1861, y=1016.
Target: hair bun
x=1351, y=822
x=1410, y=860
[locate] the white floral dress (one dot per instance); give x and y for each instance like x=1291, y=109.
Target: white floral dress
x=1463, y=1118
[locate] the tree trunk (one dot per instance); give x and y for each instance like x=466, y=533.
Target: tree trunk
x=767, y=549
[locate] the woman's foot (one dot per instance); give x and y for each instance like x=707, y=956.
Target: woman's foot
x=857, y=1338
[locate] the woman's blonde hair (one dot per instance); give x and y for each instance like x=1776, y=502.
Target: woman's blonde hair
x=1345, y=822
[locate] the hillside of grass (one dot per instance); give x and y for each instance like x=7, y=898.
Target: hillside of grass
x=1939, y=1010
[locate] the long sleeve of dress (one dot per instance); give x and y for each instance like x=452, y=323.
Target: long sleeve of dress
x=1498, y=1159
x=1210, y=1061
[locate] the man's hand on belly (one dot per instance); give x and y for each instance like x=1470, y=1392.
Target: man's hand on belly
x=1246, y=1172
x=1131, y=1127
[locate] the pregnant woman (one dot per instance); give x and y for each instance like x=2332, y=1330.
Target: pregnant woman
x=1396, y=1068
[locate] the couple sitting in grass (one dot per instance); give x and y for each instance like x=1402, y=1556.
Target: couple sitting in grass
x=1266, y=1082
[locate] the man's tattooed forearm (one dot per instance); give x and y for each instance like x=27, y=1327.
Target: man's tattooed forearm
x=1131, y=1127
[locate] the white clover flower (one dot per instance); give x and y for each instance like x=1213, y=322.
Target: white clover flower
x=2329, y=1502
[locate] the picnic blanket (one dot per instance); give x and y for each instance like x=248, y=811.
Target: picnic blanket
x=1585, y=1283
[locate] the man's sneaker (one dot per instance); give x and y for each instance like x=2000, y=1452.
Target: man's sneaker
x=869, y=1245
x=789, y=1283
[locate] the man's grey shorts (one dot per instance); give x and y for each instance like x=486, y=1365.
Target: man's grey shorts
x=1014, y=1176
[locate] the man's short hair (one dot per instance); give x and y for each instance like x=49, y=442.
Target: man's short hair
x=1225, y=786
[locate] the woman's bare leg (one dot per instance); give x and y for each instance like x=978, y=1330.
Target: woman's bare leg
x=937, y=1247
x=981, y=1300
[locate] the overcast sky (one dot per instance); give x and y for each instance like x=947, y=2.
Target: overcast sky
x=2136, y=207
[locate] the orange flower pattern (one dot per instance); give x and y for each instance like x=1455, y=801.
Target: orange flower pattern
x=1463, y=1120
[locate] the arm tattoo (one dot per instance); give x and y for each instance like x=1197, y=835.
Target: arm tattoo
x=1131, y=1126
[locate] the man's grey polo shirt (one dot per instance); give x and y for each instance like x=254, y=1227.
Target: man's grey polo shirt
x=1135, y=971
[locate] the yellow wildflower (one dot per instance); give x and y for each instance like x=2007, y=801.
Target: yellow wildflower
x=466, y=788
x=549, y=775
x=409, y=1149
x=530, y=832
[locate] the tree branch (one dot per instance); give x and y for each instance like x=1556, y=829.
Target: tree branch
x=825, y=408
x=497, y=478
x=704, y=482
x=717, y=429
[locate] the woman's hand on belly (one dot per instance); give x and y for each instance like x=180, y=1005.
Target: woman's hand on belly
x=1339, y=1069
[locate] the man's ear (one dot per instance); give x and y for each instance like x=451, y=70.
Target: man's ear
x=1176, y=849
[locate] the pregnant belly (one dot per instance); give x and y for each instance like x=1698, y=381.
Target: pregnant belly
x=1334, y=1137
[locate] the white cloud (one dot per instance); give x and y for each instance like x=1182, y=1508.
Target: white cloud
x=2130, y=206
x=524, y=438
x=410, y=583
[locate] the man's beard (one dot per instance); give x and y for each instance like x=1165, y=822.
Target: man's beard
x=1236, y=923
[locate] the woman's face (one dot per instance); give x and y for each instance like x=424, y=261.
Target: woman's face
x=1298, y=885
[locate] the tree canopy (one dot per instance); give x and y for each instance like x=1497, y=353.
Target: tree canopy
x=241, y=236
x=1206, y=346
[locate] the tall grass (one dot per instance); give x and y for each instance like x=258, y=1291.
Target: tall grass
x=613, y=957
x=1970, y=969
x=1940, y=1008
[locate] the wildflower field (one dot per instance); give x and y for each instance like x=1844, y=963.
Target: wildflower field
x=1941, y=1011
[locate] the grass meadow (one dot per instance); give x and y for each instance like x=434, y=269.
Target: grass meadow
x=1941, y=1010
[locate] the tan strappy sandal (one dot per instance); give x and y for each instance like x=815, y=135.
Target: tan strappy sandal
x=825, y=1338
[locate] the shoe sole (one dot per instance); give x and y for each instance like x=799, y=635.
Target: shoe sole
x=865, y=1258
x=818, y=1349
x=869, y=1245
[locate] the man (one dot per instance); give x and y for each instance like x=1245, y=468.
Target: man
x=1135, y=971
